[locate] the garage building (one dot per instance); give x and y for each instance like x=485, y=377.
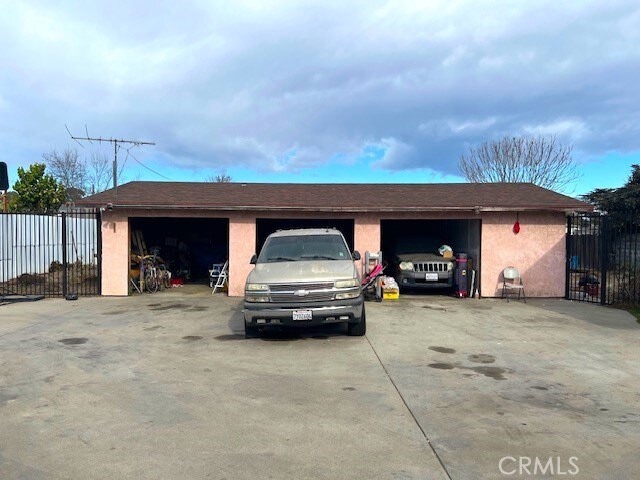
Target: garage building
x=213, y=222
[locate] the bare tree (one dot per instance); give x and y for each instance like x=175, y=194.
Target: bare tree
x=99, y=172
x=539, y=160
x=69, y=169
x=219, y=178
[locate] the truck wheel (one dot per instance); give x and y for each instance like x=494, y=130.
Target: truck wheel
x=250, y=332
x=358, y=329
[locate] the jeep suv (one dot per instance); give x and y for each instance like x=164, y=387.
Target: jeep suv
x=301, y=278
x=424, y=271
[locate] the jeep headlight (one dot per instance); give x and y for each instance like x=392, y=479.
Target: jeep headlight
x=256, y=287
x=450, y=266
x=406, y=266
x=352, y=282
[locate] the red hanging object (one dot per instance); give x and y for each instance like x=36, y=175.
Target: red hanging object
x=516, y=227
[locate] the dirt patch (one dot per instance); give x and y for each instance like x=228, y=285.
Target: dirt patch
x=228, y=338
x=80, y=278
x=540, y=388
x=170, y=306
x=442, y=366
x=442, y=349
x=73, y=341
x=481, y=358
x=440, y=308
x=192, y=338
x=349, y=389
x=198, y=308
x=492, y=372
x=150, y=329
x=496, y=373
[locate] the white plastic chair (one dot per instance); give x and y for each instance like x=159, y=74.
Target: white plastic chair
x=220, y=275
x=512, y=280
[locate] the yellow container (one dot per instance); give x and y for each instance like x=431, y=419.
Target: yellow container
x=390, y=295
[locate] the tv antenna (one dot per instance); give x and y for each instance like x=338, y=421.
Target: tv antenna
x=116, y=147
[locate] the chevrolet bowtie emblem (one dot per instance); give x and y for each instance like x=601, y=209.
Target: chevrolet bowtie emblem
x=301, y=293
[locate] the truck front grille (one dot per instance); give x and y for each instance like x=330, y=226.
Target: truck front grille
x=292, y=287
x=307, y=292
x=310, y=297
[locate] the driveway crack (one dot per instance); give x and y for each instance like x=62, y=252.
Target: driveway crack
x=424, y=434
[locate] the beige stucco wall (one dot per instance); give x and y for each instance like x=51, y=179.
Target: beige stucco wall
x=538, y=250
x=242, y=246
x=115, y=253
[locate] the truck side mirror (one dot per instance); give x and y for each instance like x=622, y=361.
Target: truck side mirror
x=356, y=255
x=254, y=259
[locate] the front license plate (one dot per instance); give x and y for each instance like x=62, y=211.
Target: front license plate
x=431, y=277
x=302, y=315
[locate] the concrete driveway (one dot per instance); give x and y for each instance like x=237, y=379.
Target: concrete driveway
x=165, y=386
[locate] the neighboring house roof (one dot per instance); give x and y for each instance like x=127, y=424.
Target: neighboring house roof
x=355, y=197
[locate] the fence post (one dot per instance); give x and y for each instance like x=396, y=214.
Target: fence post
x=64, y=254
x=567, y=271
x=99, y=249
x=604, y=258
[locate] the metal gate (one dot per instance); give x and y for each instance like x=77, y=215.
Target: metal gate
x=602, y=258
x=51, y=254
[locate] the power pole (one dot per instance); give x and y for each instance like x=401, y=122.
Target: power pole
x=115, y=141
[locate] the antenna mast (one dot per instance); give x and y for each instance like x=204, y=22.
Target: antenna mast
x=115, y=141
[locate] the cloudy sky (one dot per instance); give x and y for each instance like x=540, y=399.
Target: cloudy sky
x=321, y=91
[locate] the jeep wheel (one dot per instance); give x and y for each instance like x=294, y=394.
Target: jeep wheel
x=358, y=329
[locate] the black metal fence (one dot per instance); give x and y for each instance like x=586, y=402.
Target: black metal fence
x=50, y=254
x=602, y=258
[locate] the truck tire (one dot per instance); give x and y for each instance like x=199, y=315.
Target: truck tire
x=358, y=329
x=250, y=332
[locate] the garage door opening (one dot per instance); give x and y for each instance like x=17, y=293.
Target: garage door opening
x=417, y=242
x=189, y=246
x=266, y=226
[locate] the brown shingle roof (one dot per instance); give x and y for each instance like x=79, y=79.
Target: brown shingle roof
x=335, y=197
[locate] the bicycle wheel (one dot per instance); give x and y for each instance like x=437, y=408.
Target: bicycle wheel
x=151, y=280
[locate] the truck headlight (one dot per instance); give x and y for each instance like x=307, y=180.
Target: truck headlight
x=406, y=266
x=347, y=295
x=352, y=282
x=256, y=287
x=257, y=298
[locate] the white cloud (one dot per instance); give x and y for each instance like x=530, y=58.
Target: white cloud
x=569, y=129
x=281, y=85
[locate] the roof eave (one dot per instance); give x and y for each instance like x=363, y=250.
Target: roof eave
x=265, y=208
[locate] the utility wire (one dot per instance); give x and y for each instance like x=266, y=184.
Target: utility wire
x=150, y=169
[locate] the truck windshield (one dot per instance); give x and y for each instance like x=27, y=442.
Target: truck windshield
x=297, y=248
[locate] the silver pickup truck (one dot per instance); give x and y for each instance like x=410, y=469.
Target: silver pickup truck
x=301, y=278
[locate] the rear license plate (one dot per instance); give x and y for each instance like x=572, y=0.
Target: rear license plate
x=302, y=315
x=431, y=277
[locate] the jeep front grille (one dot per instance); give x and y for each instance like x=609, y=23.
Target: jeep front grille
x=430, y=267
